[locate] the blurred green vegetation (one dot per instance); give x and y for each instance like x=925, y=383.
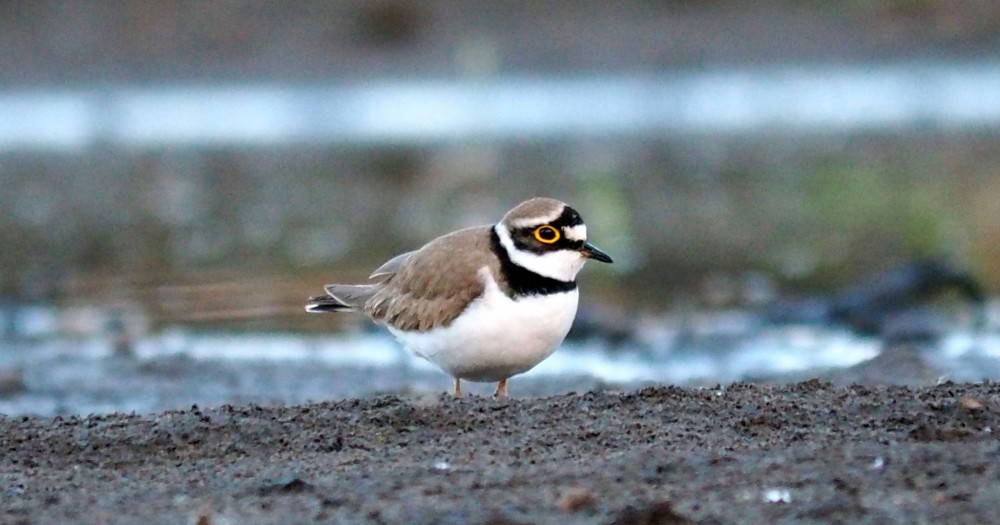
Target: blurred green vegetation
x=811, y=214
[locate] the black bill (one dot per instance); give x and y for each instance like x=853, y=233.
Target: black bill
x=591, y=252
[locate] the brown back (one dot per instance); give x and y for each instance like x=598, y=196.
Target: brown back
x=434, y=284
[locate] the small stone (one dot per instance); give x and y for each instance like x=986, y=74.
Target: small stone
x=575, y=498
x=661, y=513
x=971, y=403
x=285, y=485
x=11, y=382
x=777, y=495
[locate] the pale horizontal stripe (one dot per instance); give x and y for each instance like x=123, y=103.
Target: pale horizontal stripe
x=799, y=99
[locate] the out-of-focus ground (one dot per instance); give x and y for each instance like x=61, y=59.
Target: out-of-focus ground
x=245, y=236
x=56, y=44
x=239, y=233
x=178, y=178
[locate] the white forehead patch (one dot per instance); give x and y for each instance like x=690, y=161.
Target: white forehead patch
x=576, y=233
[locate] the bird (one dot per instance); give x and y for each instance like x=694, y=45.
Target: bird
x=483, y=303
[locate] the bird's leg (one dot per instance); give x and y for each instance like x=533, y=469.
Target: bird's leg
x=458, y=387
x=501, y=391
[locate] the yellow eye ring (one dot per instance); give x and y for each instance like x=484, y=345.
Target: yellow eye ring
x=547, y=234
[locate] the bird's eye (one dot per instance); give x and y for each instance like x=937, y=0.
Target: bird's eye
x=546, y=234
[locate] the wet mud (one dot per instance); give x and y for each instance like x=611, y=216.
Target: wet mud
x=801, y=453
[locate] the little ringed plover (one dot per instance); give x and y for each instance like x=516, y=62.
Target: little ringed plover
x=483, y=303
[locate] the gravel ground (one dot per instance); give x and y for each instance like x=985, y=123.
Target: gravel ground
x=801, y=453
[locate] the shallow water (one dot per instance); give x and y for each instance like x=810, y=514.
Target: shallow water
x=46, y=373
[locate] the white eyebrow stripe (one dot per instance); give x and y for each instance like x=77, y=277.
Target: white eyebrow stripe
x=533, y=221
x=576, y=233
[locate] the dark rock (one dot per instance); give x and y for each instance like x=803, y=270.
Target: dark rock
x=12, y=382
x=870, y=306
x=661, y=513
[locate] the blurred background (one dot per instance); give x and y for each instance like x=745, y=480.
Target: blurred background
x=179, y=176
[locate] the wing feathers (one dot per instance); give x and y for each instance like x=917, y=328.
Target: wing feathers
x=422, y=289
x=391, y=266
x=352, y=295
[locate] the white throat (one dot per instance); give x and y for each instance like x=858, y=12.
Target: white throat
x=561, y=265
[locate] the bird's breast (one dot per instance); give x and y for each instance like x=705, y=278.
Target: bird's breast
x=497, y=336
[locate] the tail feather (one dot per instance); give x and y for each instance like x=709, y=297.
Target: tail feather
x=341, y=298
x=325, y=303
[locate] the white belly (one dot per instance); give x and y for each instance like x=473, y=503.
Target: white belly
x=497, y=337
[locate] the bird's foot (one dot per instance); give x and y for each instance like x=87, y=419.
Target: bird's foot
x=501, y=391
x=458, y=387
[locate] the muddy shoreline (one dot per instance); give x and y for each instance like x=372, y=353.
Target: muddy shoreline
x=801, y=453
